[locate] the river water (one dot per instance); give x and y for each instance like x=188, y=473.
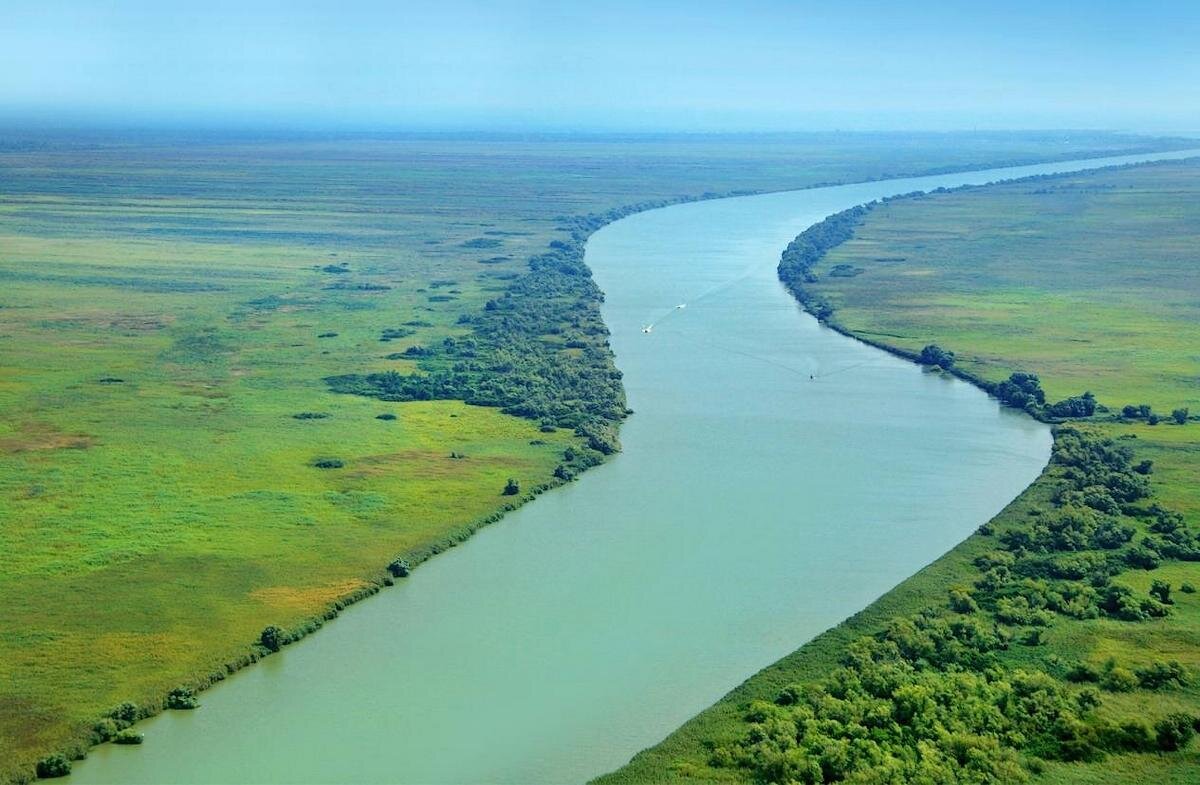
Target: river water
x=776, y=478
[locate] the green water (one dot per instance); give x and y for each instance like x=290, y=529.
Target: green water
x=752, y=508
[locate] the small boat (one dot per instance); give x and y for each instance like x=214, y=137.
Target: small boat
x=647, y=328
x=681, y=306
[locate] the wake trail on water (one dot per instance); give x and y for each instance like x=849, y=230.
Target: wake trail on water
x=804, y=373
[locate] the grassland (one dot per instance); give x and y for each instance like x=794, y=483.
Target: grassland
x=1090, y=281
x=169, y=308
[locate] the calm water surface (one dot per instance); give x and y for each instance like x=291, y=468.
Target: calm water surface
x=752, y=508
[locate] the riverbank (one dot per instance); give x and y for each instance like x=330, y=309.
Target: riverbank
x=941, y=268
x=237, y=378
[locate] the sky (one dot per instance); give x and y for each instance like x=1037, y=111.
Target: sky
x=604, y=66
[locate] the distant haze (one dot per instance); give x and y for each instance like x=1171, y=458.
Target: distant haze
x=696, y=65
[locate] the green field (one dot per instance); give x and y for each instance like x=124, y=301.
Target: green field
x=170, y=307
x=1091, y=282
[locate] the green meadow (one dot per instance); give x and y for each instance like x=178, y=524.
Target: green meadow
x=1090, y=281
x=175, y=473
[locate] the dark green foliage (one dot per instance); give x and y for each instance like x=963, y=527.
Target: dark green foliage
x=394, y=333
x=845, y=271
x=512, y=487
x=513, y=359
x=310, y=416
x=1174, y=731
x=336, y=269
x=181, y=698
x=1080, y=406
x=802, y=254
x=1160, y=675
x=936, y=355
x=1161, y=591
x=400, y=568
x=53, y=766
x=272, y=638
x=125, y=714
x=327, y=335
x=1187, y=588
x=930, y=700
x=128, y=736
x=385, y=416
x=328, y=463
x=1021, y=391
x=1180, y=416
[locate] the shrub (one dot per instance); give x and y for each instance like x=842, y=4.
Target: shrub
x=1118, y=679
x=310, y=416
x=1082, y=673
x=936, y=355
x=385, y=416
x=124, y=714
x=399, y=568
x=53, y=766
x=181, y=698
x=272, y=638
x=512, y=487
x=1162, y=674
x=104, y=730
x=1174, y=731
x=128, y=736
x=961, y=600
x=328, y=463
x=1161, y=591
x=1187, y=588
x=1180, y=416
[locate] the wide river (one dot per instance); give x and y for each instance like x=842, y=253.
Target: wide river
x=776, y=478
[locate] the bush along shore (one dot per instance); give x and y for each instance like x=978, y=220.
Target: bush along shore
x=540, y=351
x=957, y=692
x=936, y=697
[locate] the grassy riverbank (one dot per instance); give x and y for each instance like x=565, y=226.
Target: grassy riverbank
x=177, y=468
x=1089, y=281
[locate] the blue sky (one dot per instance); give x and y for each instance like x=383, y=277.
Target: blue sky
x=605, y=65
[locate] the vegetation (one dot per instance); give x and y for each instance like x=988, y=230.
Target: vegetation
x=1071, y=603
x=167, y=305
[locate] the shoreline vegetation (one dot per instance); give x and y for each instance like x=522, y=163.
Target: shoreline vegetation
x=999, y=661
x=503, y=362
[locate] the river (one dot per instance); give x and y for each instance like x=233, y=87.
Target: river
x=776, y=478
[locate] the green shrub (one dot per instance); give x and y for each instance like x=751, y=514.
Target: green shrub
x=1174, y=731
x=125, y=714
x=328, y=463
x=128, y=736
x=181, y=698
x=399, y=568
x=1180, y=416
x=1162, y=674
x=53, y=766
x=272, y=638
x=512, y=487
x=385, y=416
x=1118, y=679
x=1187, y=588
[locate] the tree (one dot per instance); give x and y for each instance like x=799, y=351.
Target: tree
x=1174, y=731
x=53, y=766
x=1161, y=591
x=512, y=487
x=936, y=355
x=1180, y=415
x=272, y=638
